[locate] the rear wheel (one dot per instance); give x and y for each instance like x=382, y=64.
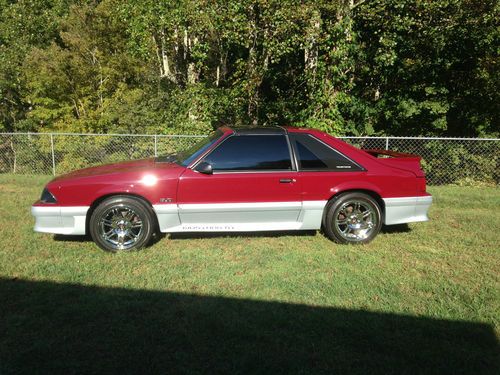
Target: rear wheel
x=121, y=223
x=352, y=218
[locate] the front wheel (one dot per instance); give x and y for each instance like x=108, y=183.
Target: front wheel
x=352, y=218
x=121, y=223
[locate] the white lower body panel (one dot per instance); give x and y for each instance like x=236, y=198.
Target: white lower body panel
x=237, y=227
x=60, y=220
x=407, y=209
x=240, y=217
x=231, y=217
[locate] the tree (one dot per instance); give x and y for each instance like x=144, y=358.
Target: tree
x=428, y=65
x=397, y=67
x=70, y=84
x=23, y=24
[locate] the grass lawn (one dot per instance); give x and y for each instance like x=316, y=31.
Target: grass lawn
x=419, y=299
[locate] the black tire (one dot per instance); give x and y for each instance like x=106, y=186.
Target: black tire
x=122, y=223
x=352, y=218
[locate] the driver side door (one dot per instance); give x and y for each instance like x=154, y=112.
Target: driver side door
x=253, y=186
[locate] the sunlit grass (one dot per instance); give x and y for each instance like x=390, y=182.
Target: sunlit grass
x=447, y=267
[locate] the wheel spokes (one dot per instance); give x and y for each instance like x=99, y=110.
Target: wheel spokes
x=121, y=227
x=367, y=213
x=137, y=224
x=355, y=220
x=107, y=222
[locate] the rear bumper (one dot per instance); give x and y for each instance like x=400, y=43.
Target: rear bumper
x=407, y=209
x=60, y=220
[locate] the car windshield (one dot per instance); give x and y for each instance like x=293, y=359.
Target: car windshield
x=189, y=155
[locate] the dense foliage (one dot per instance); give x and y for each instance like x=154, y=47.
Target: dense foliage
x=397, y=67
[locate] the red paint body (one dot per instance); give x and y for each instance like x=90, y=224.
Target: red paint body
x=388, y=177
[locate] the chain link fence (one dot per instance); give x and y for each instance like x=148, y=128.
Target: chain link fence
x=445, y=160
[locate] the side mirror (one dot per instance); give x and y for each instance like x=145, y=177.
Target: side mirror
x=204, y=167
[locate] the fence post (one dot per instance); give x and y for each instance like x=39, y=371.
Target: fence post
x=156, y=147
x=13, y=153
x=386, y=143
x=53, y=155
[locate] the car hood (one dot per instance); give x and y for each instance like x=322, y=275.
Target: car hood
x=135, y=166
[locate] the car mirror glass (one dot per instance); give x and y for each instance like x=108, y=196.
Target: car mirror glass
x=204, y=167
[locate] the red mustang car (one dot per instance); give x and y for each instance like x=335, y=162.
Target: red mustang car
x=258, y=179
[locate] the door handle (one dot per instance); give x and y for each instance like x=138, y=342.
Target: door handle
x=287, y=180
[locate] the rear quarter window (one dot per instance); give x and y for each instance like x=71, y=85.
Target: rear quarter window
x=314, y=155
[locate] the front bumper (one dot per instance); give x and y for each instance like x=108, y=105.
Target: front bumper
x=60, y=220
x=407, y=209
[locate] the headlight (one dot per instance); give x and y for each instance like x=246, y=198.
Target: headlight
x=47, y=197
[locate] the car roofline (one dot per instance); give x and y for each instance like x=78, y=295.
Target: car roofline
x=274, y=130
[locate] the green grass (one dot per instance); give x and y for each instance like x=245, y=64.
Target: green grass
x=418, y=299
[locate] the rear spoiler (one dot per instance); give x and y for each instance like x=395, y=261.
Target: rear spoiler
x=391, y=154
x=398, y=160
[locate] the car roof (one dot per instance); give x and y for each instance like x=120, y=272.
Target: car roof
x=265, y=130
x=258, y=130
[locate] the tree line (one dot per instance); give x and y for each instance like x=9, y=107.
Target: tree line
x=349, y=67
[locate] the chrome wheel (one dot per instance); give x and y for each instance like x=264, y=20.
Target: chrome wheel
x=121, y=227
x=355, y=220
x=352, y=218
x=122, y=223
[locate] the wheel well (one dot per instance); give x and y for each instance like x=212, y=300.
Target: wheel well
x=99, y=200
x=371, y=193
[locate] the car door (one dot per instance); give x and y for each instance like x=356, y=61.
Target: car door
x=253, y=186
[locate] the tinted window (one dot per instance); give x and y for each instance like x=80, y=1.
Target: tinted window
x=188, y=156
x=251, y=152
x=313, y=154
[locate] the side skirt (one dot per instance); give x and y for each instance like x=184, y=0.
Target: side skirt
x=245, y=217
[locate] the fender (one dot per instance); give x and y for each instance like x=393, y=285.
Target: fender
x=354, y=185
x=148, y=194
